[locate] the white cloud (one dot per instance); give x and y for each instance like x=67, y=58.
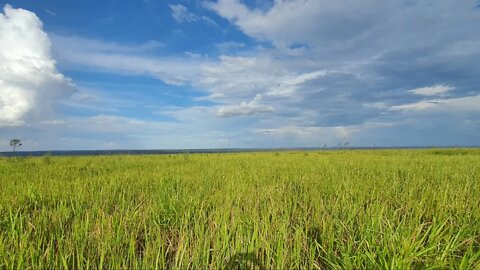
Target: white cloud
x=84, y=44
x=245, y=108
x=234, y=78
x=288, y=22
x=432, y=90
x=82, y=53
x=302, y=136
x=237, y=78
x=454, y=105
x=53, y=122
x=417, y=106
x=267, y=131
x=50, y=12
x=181, y=14
x=351, y=29
x=209, y=21
x=288, y=86
x=230, y=45
x=463, y=104
x=29, y=81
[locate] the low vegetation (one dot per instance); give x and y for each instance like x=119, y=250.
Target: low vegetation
x=387, y=209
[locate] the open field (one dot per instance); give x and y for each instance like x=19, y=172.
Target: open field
x=333, y=209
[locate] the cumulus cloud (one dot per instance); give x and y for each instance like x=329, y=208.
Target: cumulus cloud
x=245, y=108
x=29, y=80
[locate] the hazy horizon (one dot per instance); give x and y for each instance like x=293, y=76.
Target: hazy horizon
x=75, y=152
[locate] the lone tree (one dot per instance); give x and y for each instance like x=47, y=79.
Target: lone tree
x=15, y=143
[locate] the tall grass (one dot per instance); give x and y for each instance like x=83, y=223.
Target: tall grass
x=325, y=210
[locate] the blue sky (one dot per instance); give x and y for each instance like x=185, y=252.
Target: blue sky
x=230, y=73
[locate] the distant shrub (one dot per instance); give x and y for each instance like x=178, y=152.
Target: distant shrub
x=452, y=152
x=47, y=158
x=186, y=156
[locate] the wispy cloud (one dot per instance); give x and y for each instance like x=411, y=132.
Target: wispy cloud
x=245, y=108
x=226, y=47
x=181, y=14
x=452, y=105
x=432, y=90
x=82, y=53
x=50, y=12
x=76, y=43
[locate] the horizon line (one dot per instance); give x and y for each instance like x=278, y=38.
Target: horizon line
x=214, y=150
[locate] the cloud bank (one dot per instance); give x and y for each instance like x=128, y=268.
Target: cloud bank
x=288, y=73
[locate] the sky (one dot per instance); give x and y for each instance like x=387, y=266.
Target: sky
x=184, y=74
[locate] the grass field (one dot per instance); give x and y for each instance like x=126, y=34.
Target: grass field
x=383, y=209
